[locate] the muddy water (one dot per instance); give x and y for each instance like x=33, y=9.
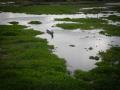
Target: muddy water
x=72, y=45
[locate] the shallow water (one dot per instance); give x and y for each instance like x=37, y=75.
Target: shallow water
x=114, y=4
x=73, y=45
x=78, y=56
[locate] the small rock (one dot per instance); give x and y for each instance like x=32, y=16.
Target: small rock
x=87, y=37
x=91, y=57
x=96, y=58
x=90, y=48
x=72, y=45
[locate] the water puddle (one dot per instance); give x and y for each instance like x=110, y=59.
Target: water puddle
x=90, y=8
x=72, y=45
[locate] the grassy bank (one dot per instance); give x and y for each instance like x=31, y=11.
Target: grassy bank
x=97, y=10
x=82, y=23
x=90, y=24
x=59, y=9
x=114, y=18
x=27, y=63
x=42, y=9
x=106, y=76
x=52, y=8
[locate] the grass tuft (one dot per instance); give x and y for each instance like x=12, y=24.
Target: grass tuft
x=35, y=22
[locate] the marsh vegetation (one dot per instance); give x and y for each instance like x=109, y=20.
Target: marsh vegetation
x=42, y=9
x=34, y=22
x=90, y=24
x=28, y=62
x=14, y=22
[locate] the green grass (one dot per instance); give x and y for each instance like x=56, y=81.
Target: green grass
x=42, y=9
x=47, y=9
x=27, y=63
x=58, y=9
x=106, y=76
x=83, y=20
x=114, y=18
x=90, y=24
x=111, y=30
x=100, y=10
x=82, y=23
x=35, y=22
x=115, y=8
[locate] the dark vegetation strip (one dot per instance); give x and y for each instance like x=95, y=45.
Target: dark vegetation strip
x=42, y=9
x=47, y=9
x=58, y=9
x=101, y=10
x=114, y=18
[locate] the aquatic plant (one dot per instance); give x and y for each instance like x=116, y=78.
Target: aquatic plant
x=14, y=22
x=90, y=24
x=34, y=22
